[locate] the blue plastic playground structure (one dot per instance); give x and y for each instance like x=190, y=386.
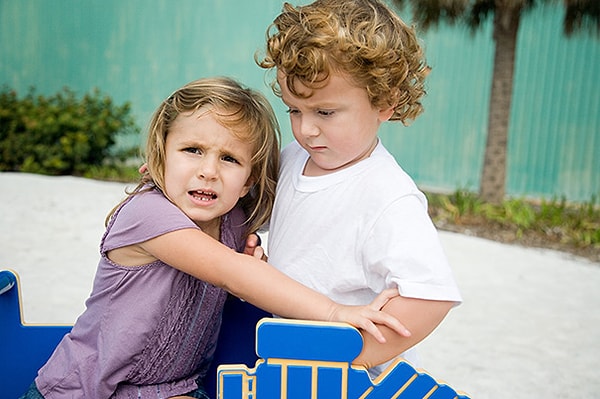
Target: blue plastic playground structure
x=25, y=347
x=298, y=359
x=302, y=360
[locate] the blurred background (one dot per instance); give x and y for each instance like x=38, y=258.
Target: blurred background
x=139, y=51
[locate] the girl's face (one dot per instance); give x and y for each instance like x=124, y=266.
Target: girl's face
x=337, y=124
x=207, y=168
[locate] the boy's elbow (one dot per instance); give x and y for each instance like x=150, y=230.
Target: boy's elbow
x=420, y=316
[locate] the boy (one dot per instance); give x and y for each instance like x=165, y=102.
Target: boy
x=347, y=220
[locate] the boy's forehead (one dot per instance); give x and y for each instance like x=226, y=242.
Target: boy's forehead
x=299, y=88
x=334, y=86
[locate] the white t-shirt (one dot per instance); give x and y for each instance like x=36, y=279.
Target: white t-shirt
x=353, y=233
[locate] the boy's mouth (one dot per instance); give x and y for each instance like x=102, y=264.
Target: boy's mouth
x=318, y=148
x=203, y=195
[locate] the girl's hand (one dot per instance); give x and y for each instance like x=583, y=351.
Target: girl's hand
x=367, y=317
x=253, y=247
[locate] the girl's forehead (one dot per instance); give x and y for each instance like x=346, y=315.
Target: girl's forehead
x=220, y=115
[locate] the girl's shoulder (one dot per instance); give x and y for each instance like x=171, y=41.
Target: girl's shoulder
x=143, y=216
x=147, y=204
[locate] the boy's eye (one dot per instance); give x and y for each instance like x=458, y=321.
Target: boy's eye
x=324, y=112
x=292, y=111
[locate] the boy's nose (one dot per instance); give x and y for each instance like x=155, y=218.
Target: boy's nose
x=308, y=128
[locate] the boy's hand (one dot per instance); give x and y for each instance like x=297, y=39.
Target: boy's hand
x=366, y=317
x=253, y=247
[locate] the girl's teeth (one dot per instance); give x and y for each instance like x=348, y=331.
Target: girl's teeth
x=203, y=196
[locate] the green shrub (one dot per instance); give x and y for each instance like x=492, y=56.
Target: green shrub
x=555, y=221
x=60, y=134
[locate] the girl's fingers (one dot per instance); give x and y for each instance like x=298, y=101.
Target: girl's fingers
x=383, y=298
x=393, y=323
x=374, y=331
x=251, y=244
x=370, y=321
x=259, y=253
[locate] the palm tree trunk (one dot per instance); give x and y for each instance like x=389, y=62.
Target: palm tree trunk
x=493, y=176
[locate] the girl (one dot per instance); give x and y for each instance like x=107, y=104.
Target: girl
x=152, y=320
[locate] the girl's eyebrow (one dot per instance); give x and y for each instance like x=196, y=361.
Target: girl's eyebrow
x=190, y=143
x=236, y=152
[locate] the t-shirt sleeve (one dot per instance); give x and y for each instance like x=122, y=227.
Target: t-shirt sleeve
x=145, y=216
x=403, y=249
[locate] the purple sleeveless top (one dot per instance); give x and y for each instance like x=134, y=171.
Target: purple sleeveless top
x=148, y=331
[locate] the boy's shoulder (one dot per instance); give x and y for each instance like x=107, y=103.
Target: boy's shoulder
x=385, y=181
x=387, y=168
x=291, y=150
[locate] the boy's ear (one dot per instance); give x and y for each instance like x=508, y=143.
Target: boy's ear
x=386, y=113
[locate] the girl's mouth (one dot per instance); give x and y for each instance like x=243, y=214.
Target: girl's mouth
x=202, y=195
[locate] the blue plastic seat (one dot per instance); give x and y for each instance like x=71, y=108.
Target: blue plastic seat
x=26, y=347
x=298, y=359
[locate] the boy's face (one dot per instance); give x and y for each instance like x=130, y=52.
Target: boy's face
x=337, y=124
x=207, y=168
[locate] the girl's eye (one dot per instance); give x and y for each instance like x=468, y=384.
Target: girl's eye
x=228, y=158
x=326, y=112
x=292, y=111
x=192, y=150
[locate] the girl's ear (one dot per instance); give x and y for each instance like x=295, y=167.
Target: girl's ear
x=246, y=189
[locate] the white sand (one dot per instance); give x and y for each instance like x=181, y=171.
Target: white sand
x=529, y=326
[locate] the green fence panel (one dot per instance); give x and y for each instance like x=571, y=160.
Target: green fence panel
x=141, y=50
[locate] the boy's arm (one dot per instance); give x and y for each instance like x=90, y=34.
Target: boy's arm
x=419, y=316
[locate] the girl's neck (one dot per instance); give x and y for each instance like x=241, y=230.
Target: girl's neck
x=212, y=227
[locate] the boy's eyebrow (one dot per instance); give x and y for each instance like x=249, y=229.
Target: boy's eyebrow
x=284, y=102
x=315, y=105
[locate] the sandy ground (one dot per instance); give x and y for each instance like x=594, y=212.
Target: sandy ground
x=529, y=326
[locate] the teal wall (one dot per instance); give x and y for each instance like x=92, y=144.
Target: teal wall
x=135, y=50
x=142, y=50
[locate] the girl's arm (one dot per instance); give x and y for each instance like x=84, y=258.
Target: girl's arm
x=420, y=316
x=255, y=281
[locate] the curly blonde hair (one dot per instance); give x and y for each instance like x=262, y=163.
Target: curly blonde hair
x=363, y=39
x=247, y=113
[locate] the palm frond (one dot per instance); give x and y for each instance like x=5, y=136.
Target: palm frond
x=581, y=15
x=429, y=13
x=480, y=11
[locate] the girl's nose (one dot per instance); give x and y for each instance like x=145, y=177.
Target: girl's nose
x=208, y=169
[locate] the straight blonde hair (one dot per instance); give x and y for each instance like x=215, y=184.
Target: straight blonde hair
x=247, y=113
